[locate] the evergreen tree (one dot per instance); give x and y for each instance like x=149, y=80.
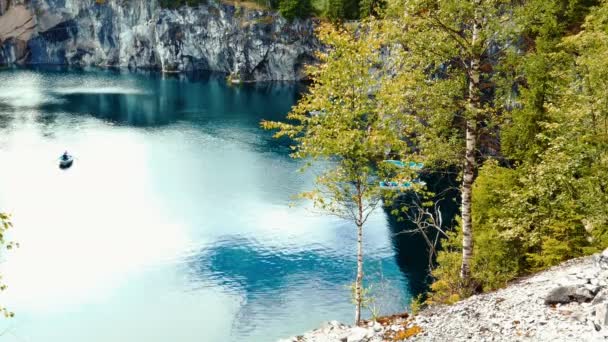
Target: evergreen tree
x=366, y=8
x=351, y=9
x=369, y=8
x=541, y=105
x=516, y=87
x=546, y=206
x=291, y=9
x=335, y=10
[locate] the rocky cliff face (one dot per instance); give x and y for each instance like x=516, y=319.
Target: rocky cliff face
x=251, y=45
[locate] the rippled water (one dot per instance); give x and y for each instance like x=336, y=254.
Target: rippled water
x=174, y=224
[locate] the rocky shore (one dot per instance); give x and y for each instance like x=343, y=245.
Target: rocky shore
x=248, y=44
x=568, y=302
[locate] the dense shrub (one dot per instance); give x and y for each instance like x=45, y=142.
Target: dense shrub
x=178, y=3
x=291, y=9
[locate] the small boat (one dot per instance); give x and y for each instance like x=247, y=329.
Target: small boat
x=65, y=161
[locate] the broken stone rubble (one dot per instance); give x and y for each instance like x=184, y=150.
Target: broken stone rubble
x=568, y=302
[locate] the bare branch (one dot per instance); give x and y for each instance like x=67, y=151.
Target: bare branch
x=456, y=36
x=425, y=222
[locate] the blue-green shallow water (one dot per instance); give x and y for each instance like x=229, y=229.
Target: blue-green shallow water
x=174, y=224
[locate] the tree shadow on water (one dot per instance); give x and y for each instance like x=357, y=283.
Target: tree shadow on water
x=411, y=249
x=269, y=279
x=242, y=265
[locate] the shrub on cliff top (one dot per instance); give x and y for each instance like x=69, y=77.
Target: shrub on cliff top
x=291, y=9
x=171, y=4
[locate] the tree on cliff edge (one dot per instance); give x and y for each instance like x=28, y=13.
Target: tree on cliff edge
x=338, y=124
x=291, y=9
x=448, y=77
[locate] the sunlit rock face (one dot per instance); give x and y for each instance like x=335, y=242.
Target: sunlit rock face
x=251, y=45
x=17, y=26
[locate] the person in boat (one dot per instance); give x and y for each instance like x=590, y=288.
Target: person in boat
x=65, y=156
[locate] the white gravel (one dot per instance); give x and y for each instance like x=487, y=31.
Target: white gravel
x=516, y=313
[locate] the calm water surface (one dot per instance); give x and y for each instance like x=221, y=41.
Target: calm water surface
x=174, y=224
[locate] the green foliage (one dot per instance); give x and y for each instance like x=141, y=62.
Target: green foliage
x=519, y=135
x=447, y=79
x=339, y=119
x=368, y=301
x=552, y=206
x=543, y=114
x=335, y=10
x=5, y=225
x=172, y=4
x=537, y=101
x=340, y=10
x=291, y=9
x=528, y=219
x=339, y=122
x=418, y=303
x=448, y=287
x=496, y=256
x=366, y=8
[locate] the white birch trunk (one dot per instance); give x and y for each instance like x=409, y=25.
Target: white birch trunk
x=469, y=162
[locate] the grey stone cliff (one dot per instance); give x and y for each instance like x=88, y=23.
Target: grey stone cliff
x=251, y=45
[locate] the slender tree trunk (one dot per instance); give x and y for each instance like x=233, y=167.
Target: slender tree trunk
x=469, y=162
x=467, y=184
x=359, y=280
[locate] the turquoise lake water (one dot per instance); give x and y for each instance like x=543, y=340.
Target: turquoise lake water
x=175, y=223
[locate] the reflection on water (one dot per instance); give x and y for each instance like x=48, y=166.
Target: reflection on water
x=242, y=265
x=313, y=272
x=175, y=221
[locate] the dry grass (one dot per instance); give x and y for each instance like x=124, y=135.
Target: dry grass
x=407, y=333
x=384, y=320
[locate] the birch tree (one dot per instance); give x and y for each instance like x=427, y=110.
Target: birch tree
x=453, y=48
x=338, y=124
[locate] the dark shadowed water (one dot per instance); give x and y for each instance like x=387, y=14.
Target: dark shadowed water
x=174, y=224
